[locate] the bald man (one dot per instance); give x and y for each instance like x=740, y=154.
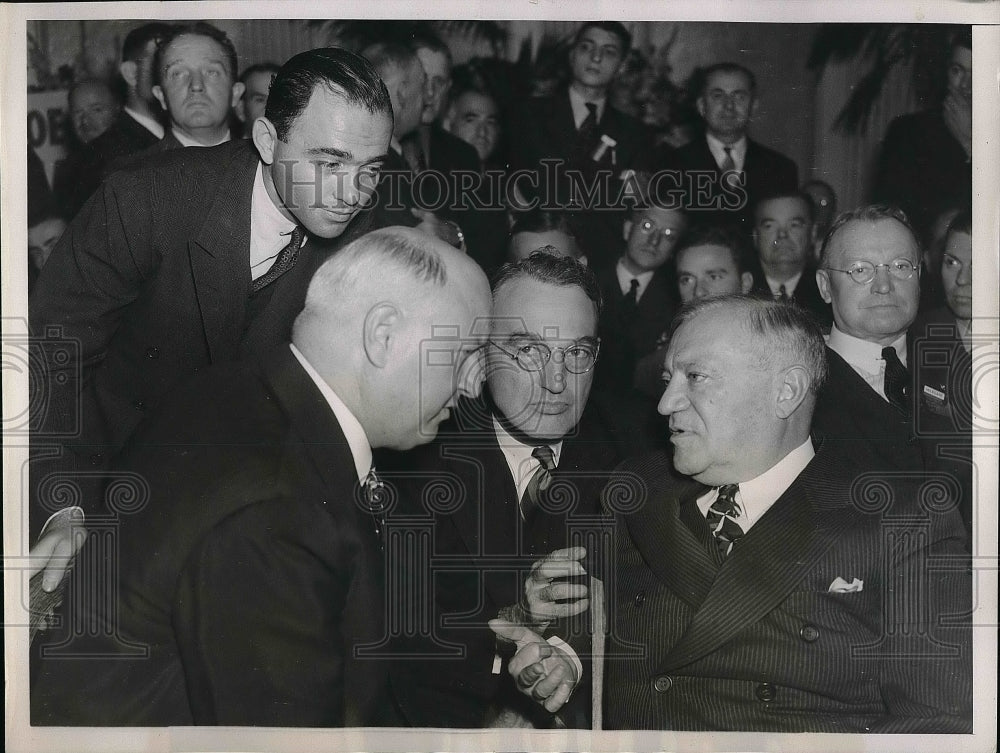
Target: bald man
x=254, y=568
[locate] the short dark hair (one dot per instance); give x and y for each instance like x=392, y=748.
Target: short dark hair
x=790, y=330
x=612, y=27
x=425, y=39
x=337, y=70
x=271, y=68
x=136, y=40
x=797, y=194
x=702, y=76
x=197, y=29
x=961, y=223
x=562, y=271
x=869, y=213
x=390, y=54
x=712, y=235
x=962, y=38
x=544, y=221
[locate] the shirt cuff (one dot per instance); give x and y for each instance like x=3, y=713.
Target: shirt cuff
x=59, y=515
x=562, y=645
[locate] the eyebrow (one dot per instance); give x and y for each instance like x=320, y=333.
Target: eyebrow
x=588, y=339
x=330, y=151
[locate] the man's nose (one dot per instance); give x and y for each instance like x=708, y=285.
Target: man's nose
x=964, y=275
x=673, y=398
x=197, y=82
x=782, y=231
x=554, y=373
x=699, y=291
x=882, y=282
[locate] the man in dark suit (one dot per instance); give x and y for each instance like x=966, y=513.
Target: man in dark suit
x=783, y=235
x=189, y=259
x=494, y=519
x=741, y=171
x=639, y=293
x=248, y=580
x=595, y=147
x=766, y=591
x=926, y=161
x=869, y=272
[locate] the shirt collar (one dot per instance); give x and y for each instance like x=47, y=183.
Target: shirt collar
x=521, y=463
x=357, y=440
x=759, y=494
x=579, y=105
x=862, y=353
x=150, y=124
x=790, y=284
x=737, y=150
x=625, y=279
x=188, y=141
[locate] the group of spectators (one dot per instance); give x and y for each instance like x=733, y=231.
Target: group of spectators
x=655, y=428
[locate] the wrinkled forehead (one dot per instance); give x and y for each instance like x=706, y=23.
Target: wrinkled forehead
x=194, y=48
x=475, y=103
x=712, y=254
x=562, y=312
x=881, y=240
x=728, y=81
x=784, y=208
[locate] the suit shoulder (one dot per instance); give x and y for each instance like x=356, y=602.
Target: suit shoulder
x=201, y=169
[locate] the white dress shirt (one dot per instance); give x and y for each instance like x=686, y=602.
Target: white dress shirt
x=865, y=357
x=738, y=151
x=625, y=280
x=188, y=141
x=579, y=105
x=790, y=285
x=357, y=439
x=756, y=496
x=269, y=228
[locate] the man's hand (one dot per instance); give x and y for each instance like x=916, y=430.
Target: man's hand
x=540, y=670
x=546, y=600
x=61, y=539
x=957, y=112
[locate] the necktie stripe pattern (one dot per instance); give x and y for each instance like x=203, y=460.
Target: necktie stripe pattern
x=540, y=481
x=728, y=163
x=284, y=261
x=722, y=518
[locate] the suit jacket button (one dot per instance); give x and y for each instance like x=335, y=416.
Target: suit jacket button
x=809, y=633
x=139, y=405
x=96, y=459
x=640, y=599
x=662, y=684
x=765, y=692
x=152, y=352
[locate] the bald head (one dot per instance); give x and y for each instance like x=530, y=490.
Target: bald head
x=388, y=323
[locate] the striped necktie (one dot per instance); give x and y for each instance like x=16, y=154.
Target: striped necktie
x=722, y=518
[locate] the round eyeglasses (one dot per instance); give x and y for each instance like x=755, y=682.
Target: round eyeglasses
x=533, y=356
x=648, y=227
x=863, y=272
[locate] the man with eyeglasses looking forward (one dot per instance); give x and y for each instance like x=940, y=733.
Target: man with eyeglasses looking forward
x=870, y=274
x=503, y=486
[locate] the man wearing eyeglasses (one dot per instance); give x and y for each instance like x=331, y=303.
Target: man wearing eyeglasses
x=741, y=169
x=515, y=476
x=870, y=274
x=639, y=292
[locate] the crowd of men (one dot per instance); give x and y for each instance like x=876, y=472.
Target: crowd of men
x=653, y=450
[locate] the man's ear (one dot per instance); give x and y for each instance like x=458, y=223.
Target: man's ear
x=380, y=324
x=823, y=283
x=700, y=104
x=753, y=106
x=746, y=282
x=158, y=93
x=238, y=88
x=264, y=137
x=129, y=70
x=793, y=386
x=626, y=230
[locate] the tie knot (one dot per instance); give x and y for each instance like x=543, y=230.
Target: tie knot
x=726, y=502
x=889, y=354
x=296, y=236
x=591, y=109
x=374, y=491
x=544, y=455
x=633, y=286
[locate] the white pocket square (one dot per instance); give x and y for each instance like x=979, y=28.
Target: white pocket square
x=841, y=586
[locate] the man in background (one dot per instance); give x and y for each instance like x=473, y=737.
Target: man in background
x=256, y=82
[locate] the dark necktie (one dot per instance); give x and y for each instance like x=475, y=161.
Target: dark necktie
x=897, y=381
x=284, y=261
x=722, y=516
x=539, y=482
x=632, y=298
x=586, y=135
x=728, y=163
x=374, y=496
x=782, y=294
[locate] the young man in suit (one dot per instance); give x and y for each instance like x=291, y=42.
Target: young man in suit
x=593, y=145
x=193, y=258
x=639, y=292
x=742, y=170
x=256, y=83
x=755, y=589
x=783, y=236
x=249, y=578
x=478, y=496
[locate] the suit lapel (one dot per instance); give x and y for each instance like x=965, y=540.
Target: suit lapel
x=670, y=548
x=220, y=258
x=764, y=566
